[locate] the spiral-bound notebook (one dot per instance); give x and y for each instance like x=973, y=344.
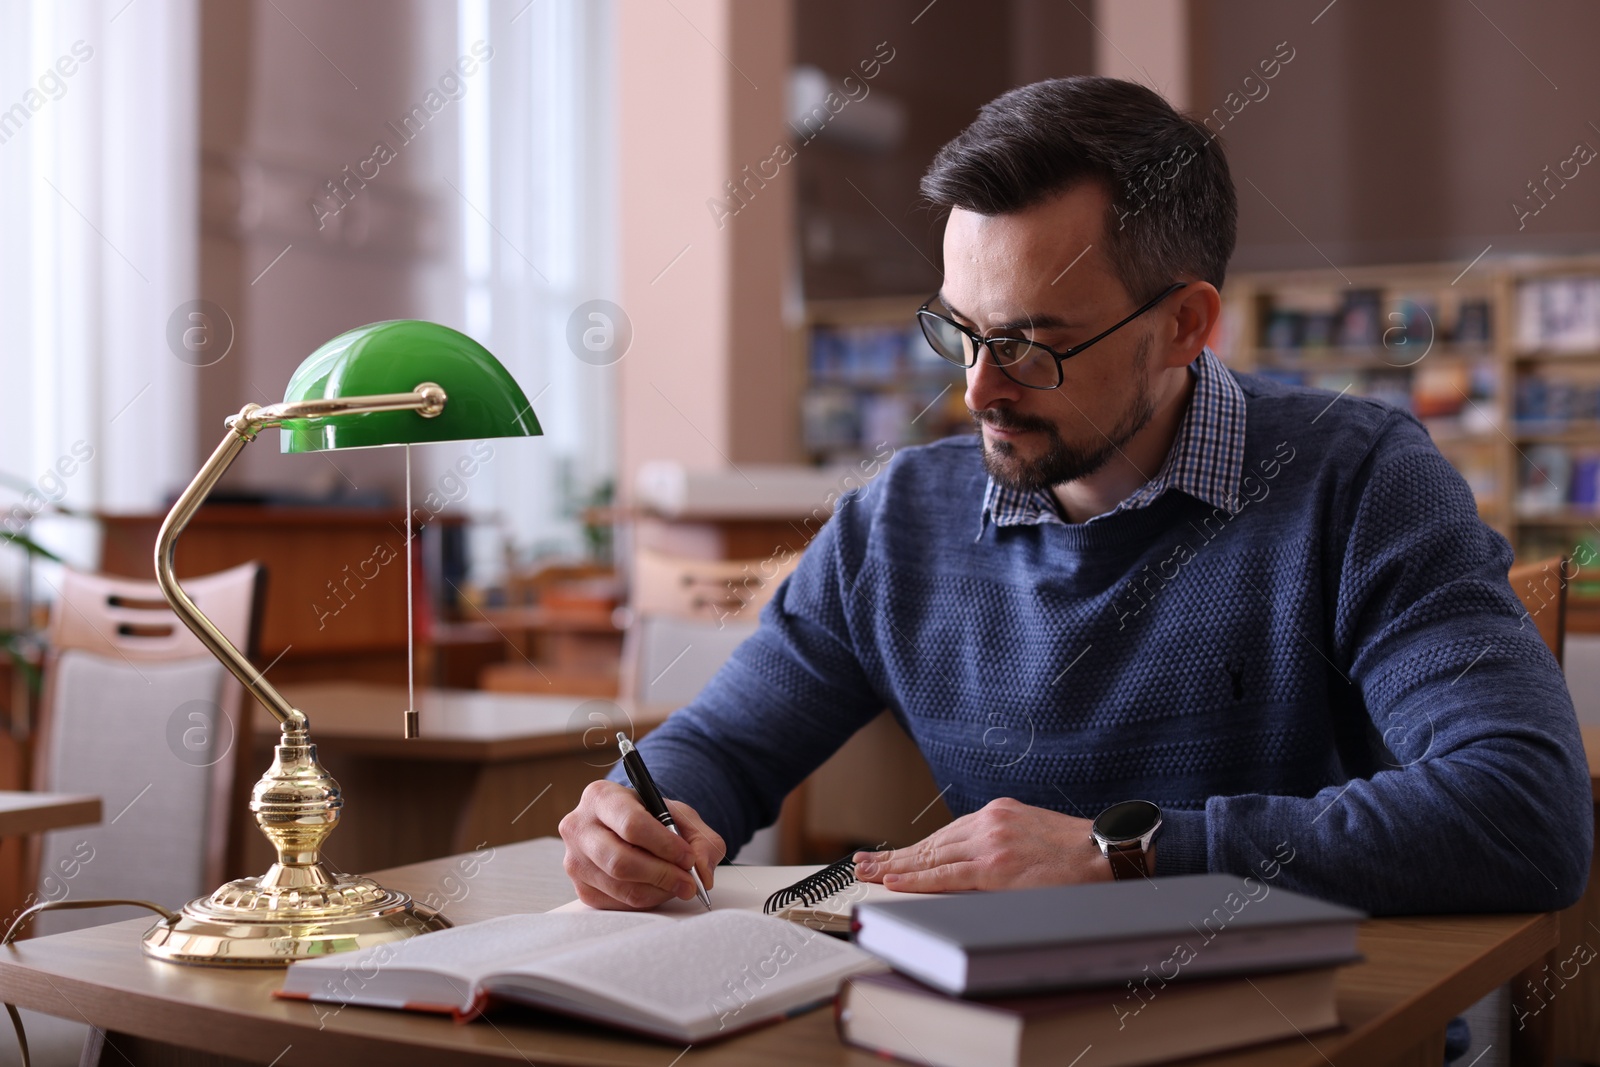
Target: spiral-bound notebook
x=818, y=897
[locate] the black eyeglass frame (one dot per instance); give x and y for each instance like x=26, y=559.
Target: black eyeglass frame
x=987, y=342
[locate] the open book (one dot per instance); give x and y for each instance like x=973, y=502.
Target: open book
x=820, y=898
x=687, y=979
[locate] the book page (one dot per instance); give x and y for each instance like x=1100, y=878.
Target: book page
x=746, y=888
x=463, y=954
x=708, y=973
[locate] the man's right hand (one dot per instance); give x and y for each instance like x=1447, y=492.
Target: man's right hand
x=619, y=857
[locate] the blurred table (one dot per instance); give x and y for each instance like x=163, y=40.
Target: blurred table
x=489, y=768
x=335, y=604
x=575, y=648
x=23, y=812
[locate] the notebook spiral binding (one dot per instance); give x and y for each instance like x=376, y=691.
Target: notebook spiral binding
x=814, y=887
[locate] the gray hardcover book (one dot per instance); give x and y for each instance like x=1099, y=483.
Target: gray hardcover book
x=1162, y=930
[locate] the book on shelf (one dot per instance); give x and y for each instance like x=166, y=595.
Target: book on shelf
x=1360, y=320
x=1473, y=324
x=1119, y=1026
x=1548, y=481
x=1400, y=326
x=1559, y=314
x=865, y=353
x=1025, y=940
x=1552, y=398
x=682, y=980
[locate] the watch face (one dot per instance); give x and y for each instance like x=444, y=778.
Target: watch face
x=1127, y=821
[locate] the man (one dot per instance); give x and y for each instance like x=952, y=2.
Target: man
x=1271, y=612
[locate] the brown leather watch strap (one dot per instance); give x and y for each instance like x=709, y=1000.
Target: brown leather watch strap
x=1128, y=864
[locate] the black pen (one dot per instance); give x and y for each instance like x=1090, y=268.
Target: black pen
x=650, y=796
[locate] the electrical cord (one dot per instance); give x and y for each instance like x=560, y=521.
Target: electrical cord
x=167, y=914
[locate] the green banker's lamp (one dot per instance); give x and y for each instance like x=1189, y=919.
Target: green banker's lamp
x=390, y=383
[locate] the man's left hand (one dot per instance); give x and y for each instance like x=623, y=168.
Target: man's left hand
x=1006, y=844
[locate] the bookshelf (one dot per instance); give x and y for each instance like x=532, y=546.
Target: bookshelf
x=1501, y=362
x=872, y=381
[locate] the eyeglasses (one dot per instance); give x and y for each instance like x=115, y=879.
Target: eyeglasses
x=1028, y=363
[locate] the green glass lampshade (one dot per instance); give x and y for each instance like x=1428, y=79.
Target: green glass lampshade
x=483, y=400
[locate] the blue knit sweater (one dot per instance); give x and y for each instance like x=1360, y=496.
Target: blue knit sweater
x=1334, y=685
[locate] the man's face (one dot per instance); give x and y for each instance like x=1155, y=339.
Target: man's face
x=1028, y=275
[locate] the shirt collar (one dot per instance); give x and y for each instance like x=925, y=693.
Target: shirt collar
x=1206, y=459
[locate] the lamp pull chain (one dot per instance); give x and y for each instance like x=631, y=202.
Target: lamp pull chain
x=412, y=727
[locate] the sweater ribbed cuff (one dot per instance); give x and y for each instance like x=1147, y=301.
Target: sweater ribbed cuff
x=1181, y=843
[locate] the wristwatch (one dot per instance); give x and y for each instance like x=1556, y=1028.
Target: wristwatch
x=1124, y=832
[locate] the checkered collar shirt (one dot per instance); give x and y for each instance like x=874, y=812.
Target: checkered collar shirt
x=1206, y=459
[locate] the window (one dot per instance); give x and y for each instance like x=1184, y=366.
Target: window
x=98, y=231
x=536, y=211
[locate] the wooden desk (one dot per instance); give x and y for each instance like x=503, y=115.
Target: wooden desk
x=1561, y=994
x=489, y=768
x=1417, y=975
x=24, y=812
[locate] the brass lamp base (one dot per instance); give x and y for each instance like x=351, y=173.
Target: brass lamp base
x=298, y=909
x=209, y=932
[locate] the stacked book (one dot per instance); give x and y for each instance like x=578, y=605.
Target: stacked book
x=1097, y=975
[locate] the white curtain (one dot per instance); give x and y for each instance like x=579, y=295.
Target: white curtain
x=536, y=211
x=98, y=244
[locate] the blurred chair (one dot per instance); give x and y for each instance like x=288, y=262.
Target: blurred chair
x=687, y=617
x=1542, y=587
x=137, y=711
x=668, y=661
x=712, y=590
x=691, y=614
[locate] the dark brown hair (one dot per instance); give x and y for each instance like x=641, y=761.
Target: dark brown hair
x=1173, y=208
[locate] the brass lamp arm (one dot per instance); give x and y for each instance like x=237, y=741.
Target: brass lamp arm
x=427, y=400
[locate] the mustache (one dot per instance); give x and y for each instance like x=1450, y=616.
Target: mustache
x=1003, y=419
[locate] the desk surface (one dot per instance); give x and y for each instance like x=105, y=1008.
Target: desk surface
x=458, y=724
x=31, y=813
x=1418, y=973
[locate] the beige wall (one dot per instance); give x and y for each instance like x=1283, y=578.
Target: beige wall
x=292, y=92
x=710, y=378
x=863, y=226
x=1145, y=41
x=1402, y=132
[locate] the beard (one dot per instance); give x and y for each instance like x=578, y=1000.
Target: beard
x=1060, y=461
